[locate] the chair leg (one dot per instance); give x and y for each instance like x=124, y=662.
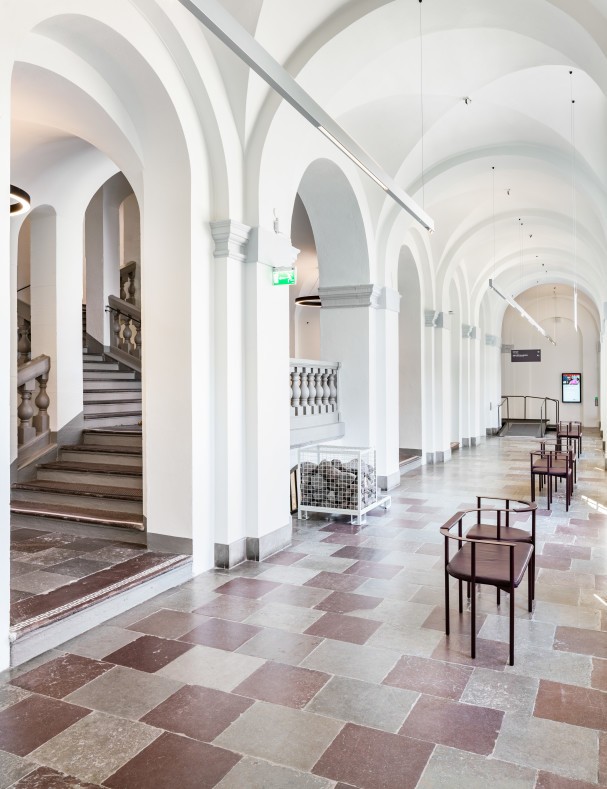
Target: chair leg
x=461, y=602
x=512, y=625
x=529, y=588
x=473, y=623
x=468, y=589
x=447, y=616
x=499, y=600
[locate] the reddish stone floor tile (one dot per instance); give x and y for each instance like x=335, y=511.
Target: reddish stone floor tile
x=599, y=674
x=411, y=500
x=372, y=759
x=247, y=587
x=61, y=676
x=197, y=712
x=283, y=557
x=431, y=549
x=373, y=570
x=432, y=677
x=567, y=551
x=463, y=726
x=571, y=704
x=148, y=653
x=584, y=642
x=345, y=602
x=456, y=649
x=345, y=539
x=45, y=778
x=369, y=554
x=30, y=723
x=423, y=508
x=550, y=781
x=221, y=634
x=342, y=528
x=167, y=623
x=579, y=528
x=281, y=684
x=409, y=523
x=336, y=581
x=603, y=759
x=174, y=761
x=552, y=562
x=344, y=628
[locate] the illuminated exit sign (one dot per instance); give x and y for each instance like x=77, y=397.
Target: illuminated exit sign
x=284, y=276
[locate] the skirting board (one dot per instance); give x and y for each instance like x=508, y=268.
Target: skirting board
x=259, y=548
x=389, y=481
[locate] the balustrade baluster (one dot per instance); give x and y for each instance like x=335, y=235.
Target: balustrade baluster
x=130, y=289
x=305, y=392
x=24, y=348
x=127, y=333
x=319, y=389
x=296, y=389
x=311, y=389
x=115, y=328
x=41, y=420
x=25, y=432
x=137, y=339
x=333, y=391
x=123, y=282
x=326, y=392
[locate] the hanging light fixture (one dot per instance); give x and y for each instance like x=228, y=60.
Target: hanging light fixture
x=522, y=312
x=20, y=201
x=308, y=301
x=573, y=200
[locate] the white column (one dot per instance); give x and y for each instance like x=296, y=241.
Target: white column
x=15, y=226
x=176, y=370
x=56, y=293
x=6, y=376
x=231, y=239
x=492, y=378
x=268, y=522
x=437, y=406
x=348, y=335
x=388, y=399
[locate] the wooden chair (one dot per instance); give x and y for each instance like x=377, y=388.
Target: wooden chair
x=497, y=562
x=558, y=445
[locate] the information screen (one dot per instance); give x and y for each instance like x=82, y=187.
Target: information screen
x=572, y=387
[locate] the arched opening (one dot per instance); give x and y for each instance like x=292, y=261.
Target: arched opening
x=455, y=326
x=304, y=321
x=410, y=358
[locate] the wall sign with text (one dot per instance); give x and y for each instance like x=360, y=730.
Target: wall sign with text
x=571, y=384
x=530, y=355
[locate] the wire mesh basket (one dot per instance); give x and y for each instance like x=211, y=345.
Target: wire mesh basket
x=338, y=480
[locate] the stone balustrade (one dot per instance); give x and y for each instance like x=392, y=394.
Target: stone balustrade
x=128, y=287
x=34, y=426
x=314, y=391
x=125, y=332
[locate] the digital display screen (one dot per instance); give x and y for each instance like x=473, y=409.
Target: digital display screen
x=572, y=387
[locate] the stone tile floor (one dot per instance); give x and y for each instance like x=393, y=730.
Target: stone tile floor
x=327, y=665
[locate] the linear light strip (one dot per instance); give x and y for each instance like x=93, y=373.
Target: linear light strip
x=216, y=19
x=522, y=312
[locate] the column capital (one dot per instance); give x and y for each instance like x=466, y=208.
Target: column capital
x=468, y=332
x=350, y=296
x=231, y=239
x=491, y=339
x=434, y=319
x=389, y=300
x=270, y=248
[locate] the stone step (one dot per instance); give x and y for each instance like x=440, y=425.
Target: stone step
x=115, y=406
x=96, y=497
x=112, y=420
x=91, y=474
x=111, y=395
x=111, y=384
x=124, y=520
x=112, y=437
x=87, y=366
x=91, y=357
x=114, y=375
x=99, y=453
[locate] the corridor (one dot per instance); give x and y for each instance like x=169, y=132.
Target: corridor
x=327, y=665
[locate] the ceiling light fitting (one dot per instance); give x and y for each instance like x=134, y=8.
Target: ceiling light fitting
x=220, y=22
x=20, y=201
x=308, y=301
x=523, y=313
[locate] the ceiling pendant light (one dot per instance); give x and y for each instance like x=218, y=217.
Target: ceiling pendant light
x=20, y=201
x=573, y=201
x=308, y=301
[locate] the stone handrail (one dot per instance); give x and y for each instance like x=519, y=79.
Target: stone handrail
x=33, y=425
x=125, y=332
x=314, y=391
x=24, y=342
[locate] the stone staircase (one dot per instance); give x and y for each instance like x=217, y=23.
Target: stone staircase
x=112, y=392
x=98, y=482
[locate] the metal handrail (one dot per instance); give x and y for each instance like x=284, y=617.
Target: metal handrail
x=545, y=400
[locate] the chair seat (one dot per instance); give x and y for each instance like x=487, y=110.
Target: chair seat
x=488, y=531
x=492, y=563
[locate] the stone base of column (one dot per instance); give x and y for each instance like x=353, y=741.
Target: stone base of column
x=258, y=548
x=389, y=481
x=227, y=556
x=164, y=542
x=440, y=456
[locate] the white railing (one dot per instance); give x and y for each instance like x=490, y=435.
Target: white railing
x=314, y=392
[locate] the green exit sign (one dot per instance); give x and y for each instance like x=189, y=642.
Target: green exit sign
x=284, y=276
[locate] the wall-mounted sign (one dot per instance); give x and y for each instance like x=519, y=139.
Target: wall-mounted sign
x=571, y=384
x=282, y=276
x=530, y=355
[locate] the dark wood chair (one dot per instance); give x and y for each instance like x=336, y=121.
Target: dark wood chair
x=559, y=445
x=496, y=562
x=571, y=432
x=552, y=465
